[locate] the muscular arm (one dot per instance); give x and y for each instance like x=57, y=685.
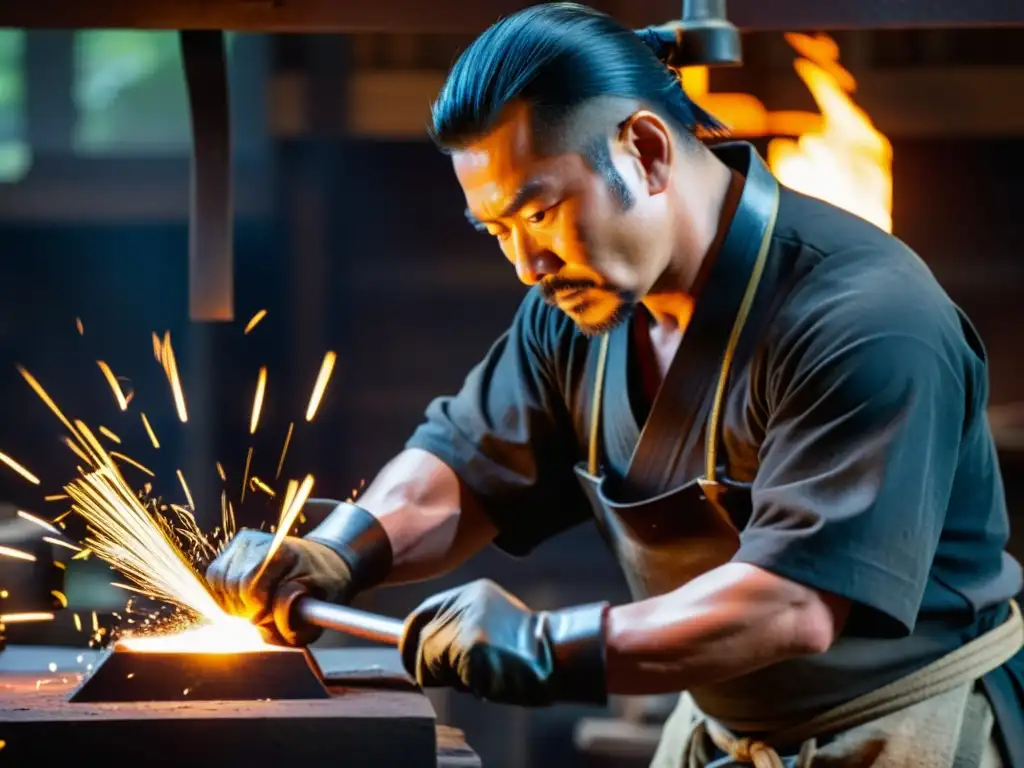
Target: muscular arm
x=729, y=622
x=432, y=521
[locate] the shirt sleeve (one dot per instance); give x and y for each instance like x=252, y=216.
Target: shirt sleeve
x=862, y=434
x=508, y=436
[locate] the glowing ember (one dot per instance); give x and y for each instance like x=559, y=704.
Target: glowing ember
x=229, y=635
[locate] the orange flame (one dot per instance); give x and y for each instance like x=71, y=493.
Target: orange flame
x=838, y=155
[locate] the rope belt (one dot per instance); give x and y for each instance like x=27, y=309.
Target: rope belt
x=964, y=665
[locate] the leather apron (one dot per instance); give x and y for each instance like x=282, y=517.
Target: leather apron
x=670, y=529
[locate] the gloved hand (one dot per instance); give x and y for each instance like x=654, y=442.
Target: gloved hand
x=347, y=553
x=480, y=639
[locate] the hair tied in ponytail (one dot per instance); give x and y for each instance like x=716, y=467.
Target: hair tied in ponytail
x=666, y=44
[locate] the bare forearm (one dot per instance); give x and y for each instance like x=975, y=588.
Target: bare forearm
x=729, y=622
x=432, y=524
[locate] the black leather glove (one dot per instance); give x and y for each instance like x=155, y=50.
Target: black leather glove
x=480, y=639
x=347, y=553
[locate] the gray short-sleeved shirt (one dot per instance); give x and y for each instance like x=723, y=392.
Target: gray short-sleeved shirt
x=856, y=411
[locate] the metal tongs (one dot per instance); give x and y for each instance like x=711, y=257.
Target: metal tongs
x=351, y=621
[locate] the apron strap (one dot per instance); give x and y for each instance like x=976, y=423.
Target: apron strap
x=708, y=482
x=964, y=665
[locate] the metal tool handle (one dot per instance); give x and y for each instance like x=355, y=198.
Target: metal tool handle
x=369, y=626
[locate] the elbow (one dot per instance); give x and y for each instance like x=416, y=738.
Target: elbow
x=818, y=622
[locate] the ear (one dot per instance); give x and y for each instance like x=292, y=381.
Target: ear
x=648, y=139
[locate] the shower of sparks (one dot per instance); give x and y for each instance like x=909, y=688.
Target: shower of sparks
x=19, y=469
x=284, y=450
x=124, y=533
x=154, y=544
x=184, y=485
x=171, y=369
x=115, y=386
x=254, y=321
x=294, y=501
x=245, y=474
x=59, y=543
x=220, y=471
x=257, y=401
x=17, y=554
x=24, y=618
x=37, y=521
x=321, y=384
x=79, y=326
x=149, y=431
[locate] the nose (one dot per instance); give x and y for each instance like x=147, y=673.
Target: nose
x=533, y=262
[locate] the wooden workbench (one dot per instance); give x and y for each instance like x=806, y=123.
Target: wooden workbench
x=375, y=717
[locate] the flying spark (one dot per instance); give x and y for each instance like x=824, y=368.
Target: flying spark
x=37, y=521
x=257, y=401
x=115, y=386
x=245, y=474
x=171, y=369
x=149, y=431
x=109, y=435
x=284, y=450
x=16, y=554
x=289, y=512
x=24, y=618
x=321, y=384
x=254, y=321
x=59, y=543
x=184, y=485
x=19, y=469
x=79, y=326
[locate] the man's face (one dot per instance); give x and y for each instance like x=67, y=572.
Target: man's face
x=562, y=224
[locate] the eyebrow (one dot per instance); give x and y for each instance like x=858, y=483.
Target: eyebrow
x=527, y=192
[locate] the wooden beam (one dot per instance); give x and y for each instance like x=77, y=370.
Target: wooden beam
x=932, y=102
x=468, y=16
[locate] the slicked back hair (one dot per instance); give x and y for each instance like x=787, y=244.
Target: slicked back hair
x=581, y=73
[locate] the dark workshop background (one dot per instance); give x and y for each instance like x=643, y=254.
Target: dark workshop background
x=350, y=233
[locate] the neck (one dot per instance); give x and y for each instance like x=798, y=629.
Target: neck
x=704, y=209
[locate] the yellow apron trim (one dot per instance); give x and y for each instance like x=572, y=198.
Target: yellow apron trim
x=708, y=483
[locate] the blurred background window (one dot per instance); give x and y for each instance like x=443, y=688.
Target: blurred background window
x=15, y=154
